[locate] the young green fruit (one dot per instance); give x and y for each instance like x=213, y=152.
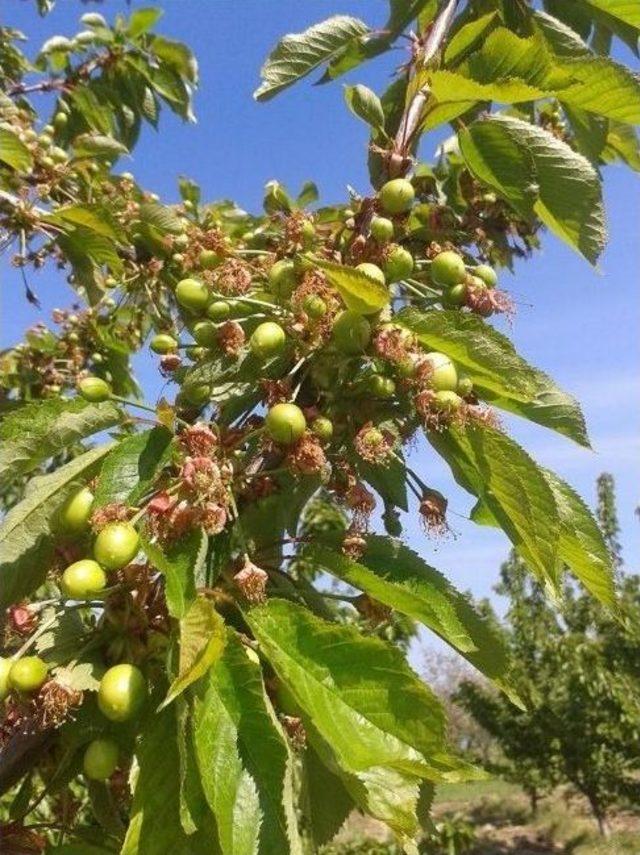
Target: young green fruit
x=455, y=296
x=443, y=375
x=268, y=340
x=163, y=343
x=197, y=395
x=351, y=332
x=465, y=385
x=5, y=685
x=372, y=271
x=192, y=294
x=73, y=517
x=209, y=259
x=314, y=306
x=381, y=229
x=83, y=579
x=447, y=268
x=122, y=692
x=307, y=233
x=116, y=545
x=205, y=333
x=219, y=310
x=397, y=196
x=398, y=265
x=94, y=389
x=27, y=674
x=381, y=387
x=322, y=427
x=487, y=274
x=282, y=278
x=100, y=759
x=447, y=401
x=285, y=423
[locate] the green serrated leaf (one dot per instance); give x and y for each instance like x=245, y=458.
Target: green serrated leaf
x=25, y=532
x=395, y=575
x=181, y=563
x=129, y=470
x=143, y=20
x=359, y=291
x=341, y=682
x=499, y=374
x=582, y=547
x=493, y=467
x=98, y=145
x=565, y=191
x=160, y=217
x=202, y=641
x=326, y=801
x=14, y=152
x=91, y=217
x=38, y=430
x=155, y=827
x=297, y=55
x=365, y=104
x=249, y=791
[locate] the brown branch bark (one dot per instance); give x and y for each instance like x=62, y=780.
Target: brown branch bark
x=410, y=122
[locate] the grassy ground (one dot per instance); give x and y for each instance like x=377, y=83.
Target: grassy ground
x=501, y=818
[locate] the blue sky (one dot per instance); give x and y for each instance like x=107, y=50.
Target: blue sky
x=579, y=325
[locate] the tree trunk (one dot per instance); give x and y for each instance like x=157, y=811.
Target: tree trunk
x=600, y=816
x=533, y=801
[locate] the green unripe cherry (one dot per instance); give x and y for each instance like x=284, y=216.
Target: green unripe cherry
x=94, y=389
x=83, y=579
x=209, y=259
x=60, y=121
x=381, y=387
x=163, y=343
x=447, y=268
x=455, y=296
x=314, y=306
x=73, y=516
x=116, y=545
x=285, y=423
x=398, y=265
x=443, y=375
x=192, y=294
x=197, y=395
x=447, y=401
x=205, y=333
x=307, y=233
x=27, y=674
x=372, y=271
x=5, y=685
x=487, y=274
x=323, y=428
x=219, y=310
x=122, y=692
x=381, y=229
x=397, y=196
x=268, y=340
x=351, y=332
x=465, y=385
x=282, y=278
x=100, y=759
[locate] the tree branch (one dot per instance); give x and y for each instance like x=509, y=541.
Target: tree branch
x=413, y=113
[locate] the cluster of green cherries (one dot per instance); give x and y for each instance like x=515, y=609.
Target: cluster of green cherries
x=123, y=689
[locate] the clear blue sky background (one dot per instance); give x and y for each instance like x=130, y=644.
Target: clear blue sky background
x=579, y=325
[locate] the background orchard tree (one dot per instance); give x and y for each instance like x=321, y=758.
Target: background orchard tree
x=179, y=674
x=577, y=670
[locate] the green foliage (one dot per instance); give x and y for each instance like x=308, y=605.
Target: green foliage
x=581, y=690
x=269, y=624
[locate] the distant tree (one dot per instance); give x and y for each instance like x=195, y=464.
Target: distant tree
x=577, y=672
